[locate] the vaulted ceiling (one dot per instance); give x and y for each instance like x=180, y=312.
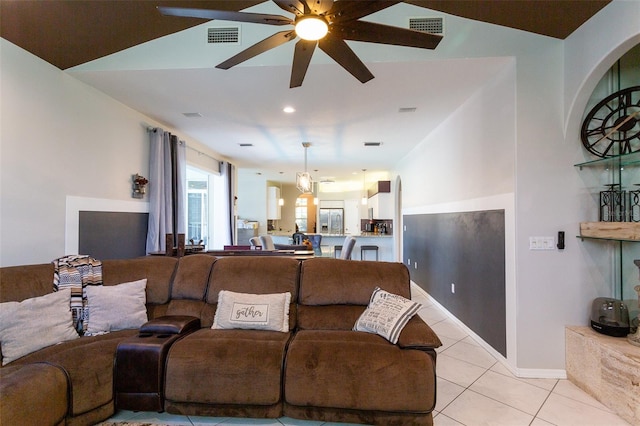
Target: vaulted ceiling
x=68, y=34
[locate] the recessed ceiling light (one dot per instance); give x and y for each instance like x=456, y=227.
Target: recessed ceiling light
x=289, y=109
x=192, y=114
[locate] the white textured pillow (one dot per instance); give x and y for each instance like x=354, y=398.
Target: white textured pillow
x=34, y=324
x=252, y=311
x=386, y=315
x=116, y=307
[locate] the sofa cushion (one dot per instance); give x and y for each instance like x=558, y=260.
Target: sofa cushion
x=238, y=367
x=35, y=323
x=386, y=315
x=254, y=275
x=252, y=311
x=158, y=270
x=192, y=277
x=357, y=371
x=88, y=362
x=23, y=282
x=34, y=394
x=117, y=307
x=328, y=281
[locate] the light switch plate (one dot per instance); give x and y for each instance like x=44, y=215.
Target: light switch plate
x=542, y=243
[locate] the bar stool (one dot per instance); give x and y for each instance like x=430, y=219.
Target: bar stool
x=336, y=249
x=365, y=248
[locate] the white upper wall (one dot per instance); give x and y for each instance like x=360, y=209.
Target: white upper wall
x=59, y=138
x=524, y=122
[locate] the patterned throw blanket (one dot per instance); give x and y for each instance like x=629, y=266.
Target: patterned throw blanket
x=76, y=272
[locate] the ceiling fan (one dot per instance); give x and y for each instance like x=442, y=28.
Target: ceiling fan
x=333, y=22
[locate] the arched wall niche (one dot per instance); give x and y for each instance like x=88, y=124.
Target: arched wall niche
x=583, y=95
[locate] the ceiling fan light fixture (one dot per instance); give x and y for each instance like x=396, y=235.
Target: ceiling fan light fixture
x=311, y=28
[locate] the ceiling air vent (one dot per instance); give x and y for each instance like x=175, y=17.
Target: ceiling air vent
x=372, y=143
x=427, y=25
x=245, y=144
x=223, y=35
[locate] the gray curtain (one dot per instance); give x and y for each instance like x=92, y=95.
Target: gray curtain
x=180, y=161
x=227, y=170
x=167, y=188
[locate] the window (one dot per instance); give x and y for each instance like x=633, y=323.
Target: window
x=207, y=215
x=301, y=214
x=197, y=206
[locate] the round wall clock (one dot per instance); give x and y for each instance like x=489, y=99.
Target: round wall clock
x=612, y=127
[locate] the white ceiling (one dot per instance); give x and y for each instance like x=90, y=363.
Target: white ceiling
x=175, y=74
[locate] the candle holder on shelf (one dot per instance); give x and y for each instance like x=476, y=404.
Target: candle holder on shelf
x=634, y=205
x=612, y=204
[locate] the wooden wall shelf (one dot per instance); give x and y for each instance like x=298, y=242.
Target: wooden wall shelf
x=623, y=231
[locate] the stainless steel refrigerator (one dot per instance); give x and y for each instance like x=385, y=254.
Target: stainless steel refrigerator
x=331, y=221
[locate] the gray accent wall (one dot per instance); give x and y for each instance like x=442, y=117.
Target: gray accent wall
x=113, y=235
x=467, y=250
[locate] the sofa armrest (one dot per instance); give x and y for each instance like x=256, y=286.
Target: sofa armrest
x=418, y=335
x=171, y=324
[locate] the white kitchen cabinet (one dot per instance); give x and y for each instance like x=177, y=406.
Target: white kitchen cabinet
x=273, y=206
x=382, y=205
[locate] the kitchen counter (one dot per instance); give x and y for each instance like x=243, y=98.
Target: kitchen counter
x=329, y=241
x=363, y=235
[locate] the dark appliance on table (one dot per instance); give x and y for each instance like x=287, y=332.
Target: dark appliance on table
x=610, y=317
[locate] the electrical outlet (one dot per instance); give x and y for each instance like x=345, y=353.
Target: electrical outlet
x=453, y=288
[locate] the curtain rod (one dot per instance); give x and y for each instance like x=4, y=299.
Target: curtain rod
x=153, y=129
x=200, y=152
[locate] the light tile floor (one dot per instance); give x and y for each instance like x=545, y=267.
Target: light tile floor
x=473, y=389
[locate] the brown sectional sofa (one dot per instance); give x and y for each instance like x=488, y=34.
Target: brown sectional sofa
x=320, y=369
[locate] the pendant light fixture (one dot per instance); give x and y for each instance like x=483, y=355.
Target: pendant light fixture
x=364, y=187
x=304, y=183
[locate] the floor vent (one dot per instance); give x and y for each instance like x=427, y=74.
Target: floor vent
x=223, y=35
x=428, y=25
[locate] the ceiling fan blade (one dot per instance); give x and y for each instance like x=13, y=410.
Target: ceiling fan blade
x=226, y=15
x=305, y=7
x=319, y=7
x=301, y=59
x=293, y=6
x=262, y=46
x=348, y=10
x=343, y=55
x=385, y=34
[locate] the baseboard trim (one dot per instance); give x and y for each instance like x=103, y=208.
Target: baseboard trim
x=524, y=373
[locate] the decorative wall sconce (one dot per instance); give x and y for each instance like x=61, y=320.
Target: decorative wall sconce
x=139, y=186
